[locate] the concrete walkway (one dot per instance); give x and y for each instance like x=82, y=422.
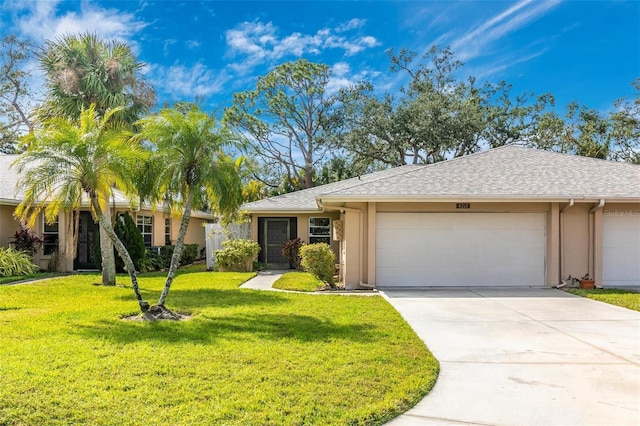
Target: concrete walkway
x=263, y=281
x=524, y=357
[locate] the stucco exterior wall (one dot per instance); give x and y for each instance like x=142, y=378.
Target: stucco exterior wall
x=8, y=225
x=302, y=228
x=573, y=236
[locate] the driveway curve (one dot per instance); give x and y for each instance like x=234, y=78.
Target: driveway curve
x=524, y=357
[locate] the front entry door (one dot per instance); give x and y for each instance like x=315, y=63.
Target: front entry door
x=276, y=233
x=87, y=234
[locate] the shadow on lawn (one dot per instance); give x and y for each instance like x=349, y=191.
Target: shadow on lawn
x=207, y=328
x=186, y=299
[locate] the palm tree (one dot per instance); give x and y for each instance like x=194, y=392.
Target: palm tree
x=190, y=170
x=68, y=160
x=81, y=70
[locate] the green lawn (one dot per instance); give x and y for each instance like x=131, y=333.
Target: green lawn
x=298, y=281
x=625, y=298
x=39, y=275
x=246, y=357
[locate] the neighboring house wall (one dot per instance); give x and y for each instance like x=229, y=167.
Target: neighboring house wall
x=8, y=226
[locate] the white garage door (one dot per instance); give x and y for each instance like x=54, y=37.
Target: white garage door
x=460, y=249
x=621, y=249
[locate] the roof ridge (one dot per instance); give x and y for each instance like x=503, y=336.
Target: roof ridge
x=361, y=182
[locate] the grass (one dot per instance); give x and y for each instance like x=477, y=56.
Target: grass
x=246, y=357
x=298, y=281
x=14, y=278
x=619, y=297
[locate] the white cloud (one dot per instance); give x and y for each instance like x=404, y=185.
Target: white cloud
x=342, y=77
x=351, y=25
x=40, y=20
x=476, y=41
x=257, y=42
x=188, y=82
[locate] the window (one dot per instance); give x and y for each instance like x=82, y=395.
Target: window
x=167, y=232
x=319, y=230
x=145, y=225
x=50, y=235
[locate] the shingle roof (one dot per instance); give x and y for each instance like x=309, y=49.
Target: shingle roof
x=509, y=172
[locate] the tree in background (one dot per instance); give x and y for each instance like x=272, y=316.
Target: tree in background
x=188, y=170
x=67, y=159
x=16, y=117
x=81, y=70
x=433, y=117
x=283, y=119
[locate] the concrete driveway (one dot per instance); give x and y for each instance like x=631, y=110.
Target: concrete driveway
x=524, y=357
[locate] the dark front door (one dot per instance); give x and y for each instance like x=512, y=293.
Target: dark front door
x=276, y=233
x=87, y=234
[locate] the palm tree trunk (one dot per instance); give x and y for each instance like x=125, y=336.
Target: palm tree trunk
x=106, y=251
x=122, y=251
x=175, y=259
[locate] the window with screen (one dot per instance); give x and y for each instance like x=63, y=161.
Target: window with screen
x=167, y=232
x=50, y=235
x=145, y=225
x=319, y=230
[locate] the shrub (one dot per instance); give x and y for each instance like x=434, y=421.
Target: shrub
x=128, y=232
x=152, y=261
x=131, y=237
x=27, y=241
x=188, y=256
x=237, y=255
x=291, y=250
x=319, y=260
x=15, y=262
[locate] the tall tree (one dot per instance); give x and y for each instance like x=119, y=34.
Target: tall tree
x=434, y=116
x=68, y=159
x=188, y=171
x=15, y=96
x=284, y=119
x=82, y=70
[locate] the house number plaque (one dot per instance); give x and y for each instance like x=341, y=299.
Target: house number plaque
x=463, y=205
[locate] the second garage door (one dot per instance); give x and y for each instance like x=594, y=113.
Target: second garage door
x=460, y=249
x=621, y=249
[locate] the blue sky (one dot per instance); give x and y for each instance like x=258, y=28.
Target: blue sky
x=586, y=51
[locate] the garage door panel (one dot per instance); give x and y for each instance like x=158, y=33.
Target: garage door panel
x=621, y=250
x=460, y=249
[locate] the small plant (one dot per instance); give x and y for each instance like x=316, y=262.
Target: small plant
x=237, y=255
x=187, y=257
x=319, y=260
x=291, y=250
x=27, y=241
x=14, y=262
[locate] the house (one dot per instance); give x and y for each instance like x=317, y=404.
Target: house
x=157, y=228
x=510, y=216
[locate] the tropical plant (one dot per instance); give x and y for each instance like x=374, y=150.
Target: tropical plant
x=15, y=262
x=82, y=70
x=291, y=250
x=319, y=260
x=237, y=255
x=27, y=241
x=66, y=160
x=189, y=171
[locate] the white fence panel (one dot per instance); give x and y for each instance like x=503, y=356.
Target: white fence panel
x=215, y=234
